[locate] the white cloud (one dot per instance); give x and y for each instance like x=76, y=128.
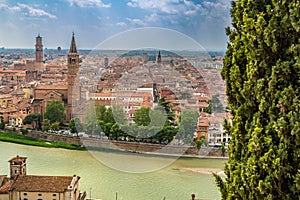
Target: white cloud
x=186, y=7
x=152, y=18
x=121, y=24
x=13, y=8
x=27, y=10
x=35, y=12
x=138, y=22
x=220, y=4
x=89, y=3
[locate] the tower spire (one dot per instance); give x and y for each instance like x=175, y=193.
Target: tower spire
x=73, y=45
x=158, y=58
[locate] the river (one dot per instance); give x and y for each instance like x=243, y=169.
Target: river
x=102, y=182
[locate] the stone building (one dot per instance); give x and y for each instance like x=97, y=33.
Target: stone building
x=20, y=186
x=65, y=91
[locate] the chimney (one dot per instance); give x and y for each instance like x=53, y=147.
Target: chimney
x=193, y=196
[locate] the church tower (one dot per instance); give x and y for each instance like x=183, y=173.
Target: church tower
x=73, y=69
x=17, y=166
x=39, y=53
x=158, y=58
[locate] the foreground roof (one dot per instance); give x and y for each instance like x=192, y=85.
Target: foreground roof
x=32, y=183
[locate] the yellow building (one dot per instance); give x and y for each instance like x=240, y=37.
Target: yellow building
x=5, y=99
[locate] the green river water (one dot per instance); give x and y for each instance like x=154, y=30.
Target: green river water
x=103, y=182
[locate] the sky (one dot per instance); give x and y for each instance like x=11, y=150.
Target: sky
x=94, y=21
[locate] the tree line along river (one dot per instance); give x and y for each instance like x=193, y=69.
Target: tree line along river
x=102, y=181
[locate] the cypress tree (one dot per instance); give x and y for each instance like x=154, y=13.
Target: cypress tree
x=262, y=74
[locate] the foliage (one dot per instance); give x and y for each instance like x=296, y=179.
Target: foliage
x=2, y=124
x=24, y=131
x=188, y=124
x=261, y=69
x=34, y=119
x=20, y=139
x=75, y=125
x=119, y=114
x=55, y=111
x=141, y=116
x=46, y=125
x=162, y=103
x=54, y=126
x=199, y=144
x=223, y=149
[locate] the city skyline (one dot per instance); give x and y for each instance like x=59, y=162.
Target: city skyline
x=94, y=21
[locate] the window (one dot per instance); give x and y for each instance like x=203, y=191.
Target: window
x=40, y=194
x=25, y=194
x=25, y=199
x=54, y=195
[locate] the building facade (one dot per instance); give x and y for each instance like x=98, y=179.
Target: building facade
x=64, y=91
x=20, y=186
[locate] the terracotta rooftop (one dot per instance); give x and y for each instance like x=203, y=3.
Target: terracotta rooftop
x=18, y=159
x=101, y=94
x=52, y=87
x=31, y=183
x=6, y=185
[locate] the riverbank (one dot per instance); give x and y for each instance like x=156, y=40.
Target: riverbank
x=43, y=139
x=25, y=140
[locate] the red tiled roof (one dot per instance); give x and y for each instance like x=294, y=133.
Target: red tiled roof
x=18, y=159
x=5, y=187
x=31, y=183
x=52, y=87
x=131, y=111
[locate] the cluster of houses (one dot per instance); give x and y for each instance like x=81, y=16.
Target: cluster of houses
x=27, y=86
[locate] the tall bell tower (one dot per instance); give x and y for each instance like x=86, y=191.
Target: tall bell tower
x=39, y=53
x=158, y=58
x=73, y=69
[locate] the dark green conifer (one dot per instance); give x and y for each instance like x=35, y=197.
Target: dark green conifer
x=262, y=73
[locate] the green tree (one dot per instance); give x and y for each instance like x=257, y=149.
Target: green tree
x=223, y=149
x=34, y=119
x=109, y=116
x=54, y=126
x=166, y=106
x=142, y=117
x=262, y=74
x=75, y=125
x=46, y=125
x=55, y=111
x=116, y=131
x=119, y=114
x=100, y=112
x=188, y=124
x=199, y=144
x=2, y=124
